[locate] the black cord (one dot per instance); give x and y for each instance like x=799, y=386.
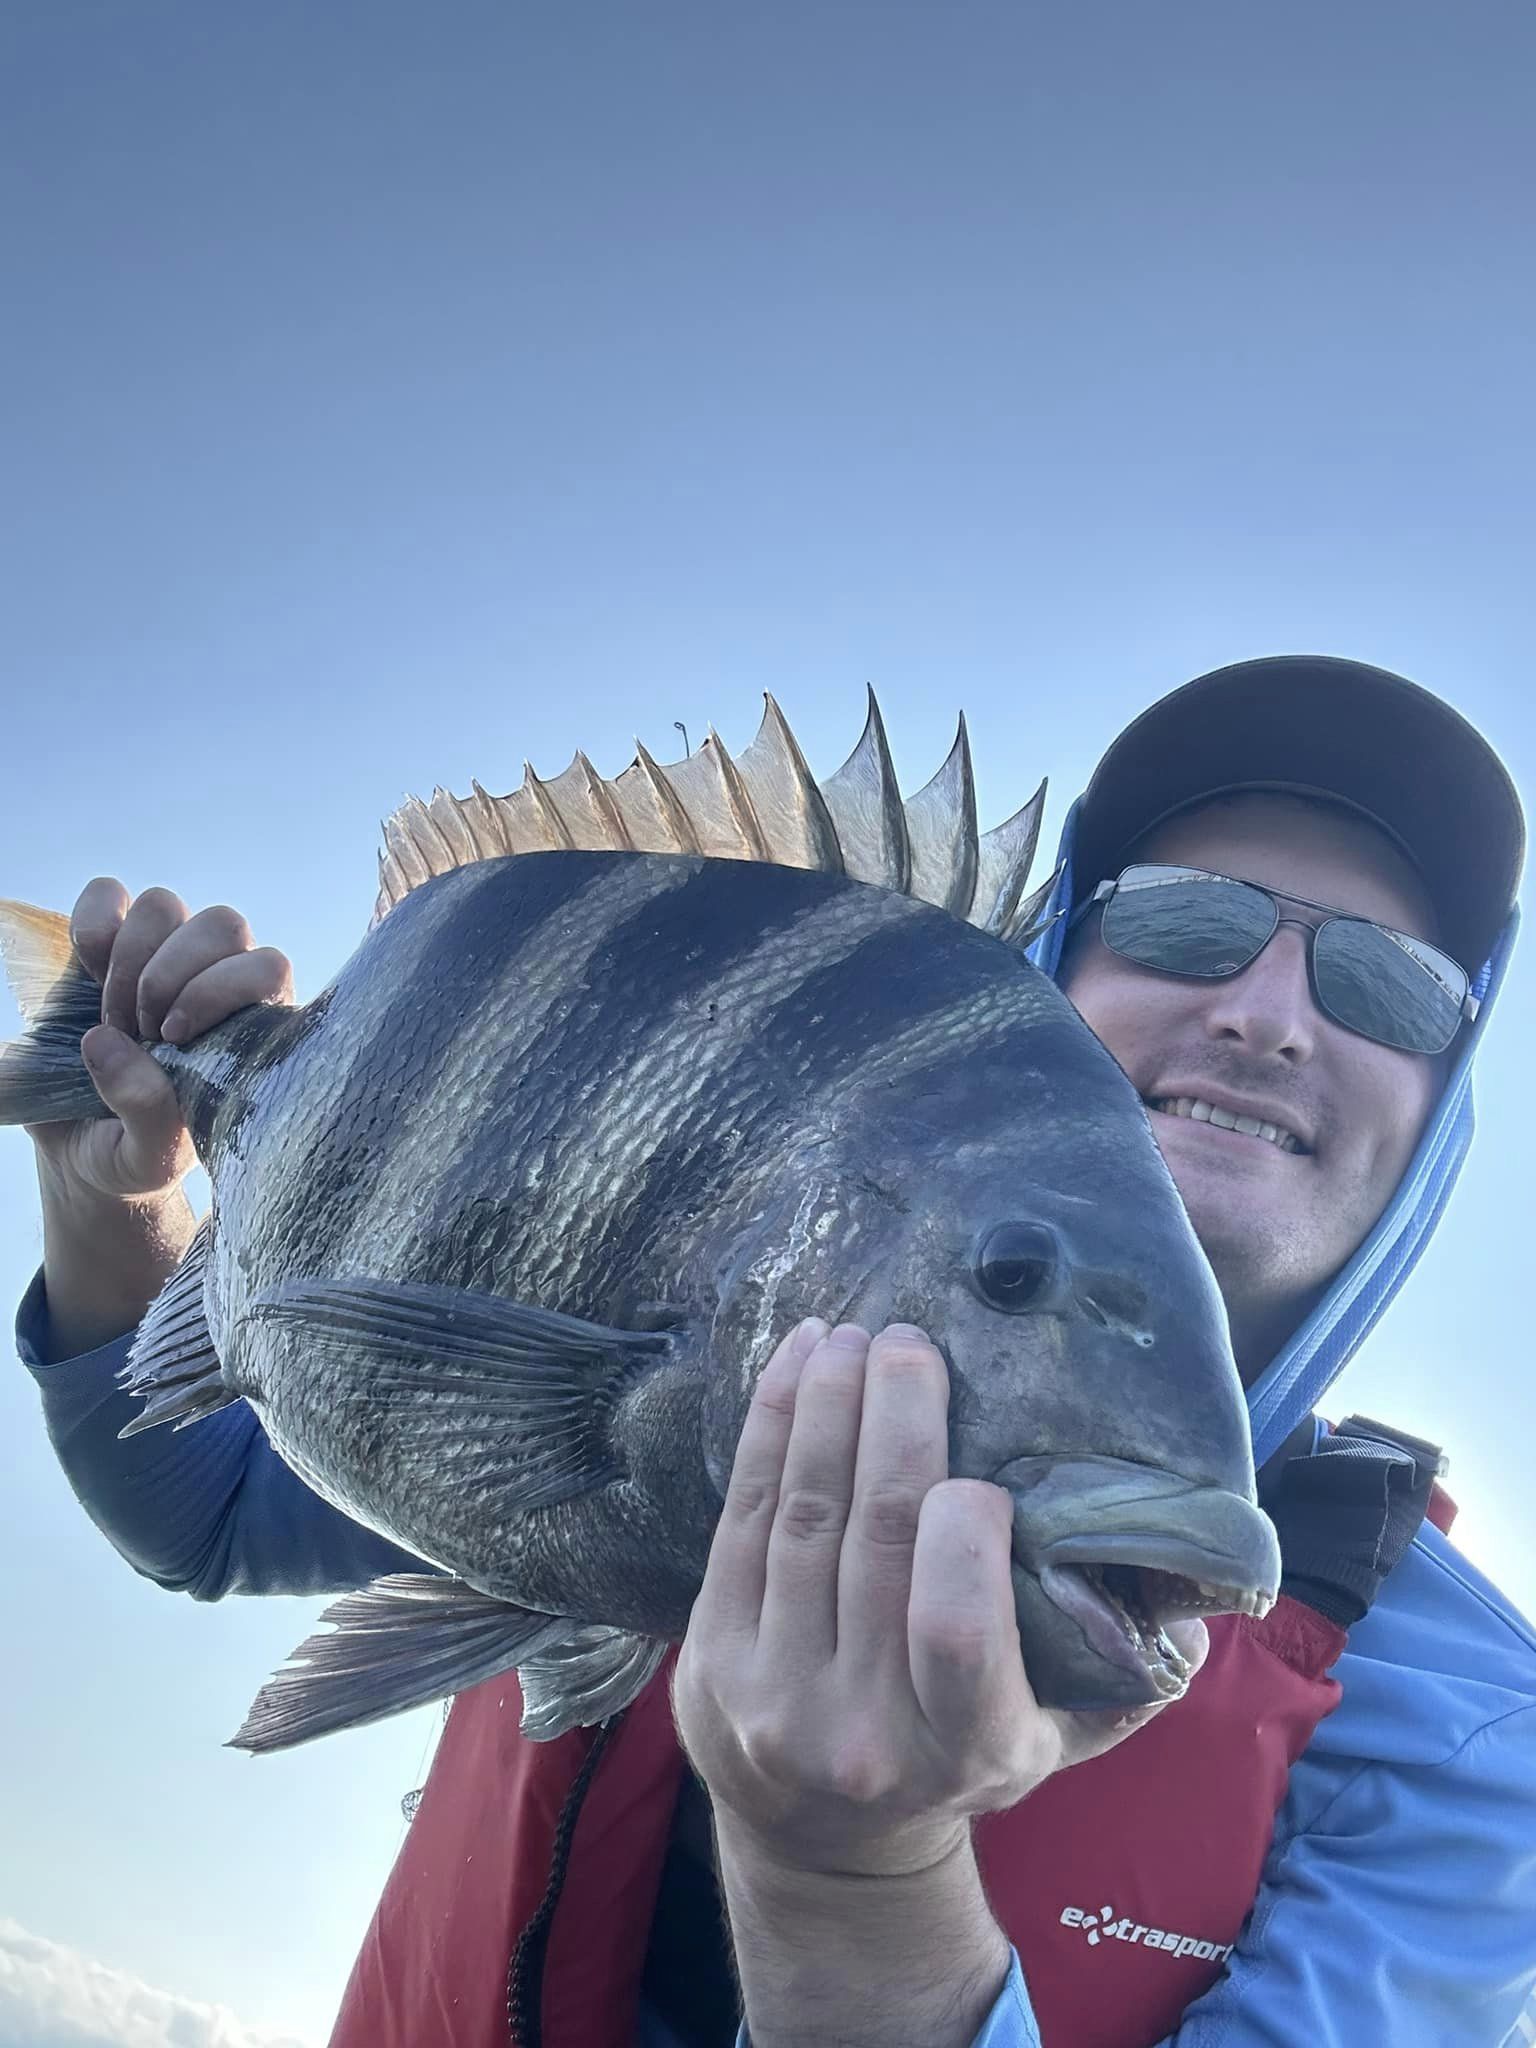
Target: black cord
x=525, y=1974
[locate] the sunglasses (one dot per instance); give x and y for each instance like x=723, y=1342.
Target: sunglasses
x=1386, y=986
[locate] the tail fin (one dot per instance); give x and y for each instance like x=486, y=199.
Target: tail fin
x=42, y=1076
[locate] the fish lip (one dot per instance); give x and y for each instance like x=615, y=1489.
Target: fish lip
x=1236, y=1105
x=1107, y=1511
x=1214, y=1572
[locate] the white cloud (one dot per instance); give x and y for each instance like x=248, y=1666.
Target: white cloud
x=54, y=1997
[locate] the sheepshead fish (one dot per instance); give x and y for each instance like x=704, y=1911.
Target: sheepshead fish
x=625, y=1079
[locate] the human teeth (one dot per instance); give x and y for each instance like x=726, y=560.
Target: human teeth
x=1207, y=1113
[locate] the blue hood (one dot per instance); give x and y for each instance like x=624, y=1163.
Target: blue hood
x=1292, y=1385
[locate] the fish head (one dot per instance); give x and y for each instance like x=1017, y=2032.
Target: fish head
x=1014, y=1205
x=1091, y=1370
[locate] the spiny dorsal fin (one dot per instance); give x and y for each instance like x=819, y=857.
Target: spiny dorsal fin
x=1005, y=856
x=763, y=805
x=864, y=799
x=941, y=830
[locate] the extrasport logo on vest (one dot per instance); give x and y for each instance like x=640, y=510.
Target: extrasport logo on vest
x=1107, y=1925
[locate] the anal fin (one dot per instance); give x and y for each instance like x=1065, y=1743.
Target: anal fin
x=172, y=1362
x=403, y=1642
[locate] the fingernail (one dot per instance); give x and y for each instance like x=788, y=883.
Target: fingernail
x=174, y=1026
x=810, y=1333
x=904, y=1330
x=849, y=1336
x=99, y=1045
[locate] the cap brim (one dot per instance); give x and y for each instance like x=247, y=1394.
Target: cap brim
x=1339, y=728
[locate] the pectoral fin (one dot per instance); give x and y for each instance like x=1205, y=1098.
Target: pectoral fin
x=529, y=1390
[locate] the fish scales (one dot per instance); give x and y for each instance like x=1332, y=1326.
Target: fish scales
x=315, y=1125
x=684, y=1066
x=837, y=967
x=574, y=1136
x=532, y=994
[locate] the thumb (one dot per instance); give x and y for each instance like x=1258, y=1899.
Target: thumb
x=153, y=1150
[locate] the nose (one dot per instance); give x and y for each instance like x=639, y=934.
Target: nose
x=1268, y=1008
x=1116, y=1303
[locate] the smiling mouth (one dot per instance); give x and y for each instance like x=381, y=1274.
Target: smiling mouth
x=1194, y=1110
x=1123, y=1611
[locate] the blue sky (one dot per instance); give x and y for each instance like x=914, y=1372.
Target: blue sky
x=396, y=392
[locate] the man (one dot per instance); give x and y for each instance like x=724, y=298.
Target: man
x=1269, y=895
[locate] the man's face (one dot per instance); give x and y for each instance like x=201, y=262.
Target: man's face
x=1276, y=1224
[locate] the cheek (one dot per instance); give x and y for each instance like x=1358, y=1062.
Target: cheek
x=1093, y=994
x=1402, y=1092
x=1120, y=1007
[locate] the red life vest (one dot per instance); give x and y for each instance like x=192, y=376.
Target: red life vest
x=1122, y=1883
x=1080, y=1875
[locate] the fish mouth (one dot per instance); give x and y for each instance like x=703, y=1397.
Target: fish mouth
x=1125, y=1552
x=1124, y=1611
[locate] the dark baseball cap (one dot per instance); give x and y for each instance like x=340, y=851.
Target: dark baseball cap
x=1319, y=726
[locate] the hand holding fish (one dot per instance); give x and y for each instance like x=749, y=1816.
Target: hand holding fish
x=114, y=1222
x=165, y=973
x=852, y=1692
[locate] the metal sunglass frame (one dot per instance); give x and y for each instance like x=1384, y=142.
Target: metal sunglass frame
x=1468, y=1003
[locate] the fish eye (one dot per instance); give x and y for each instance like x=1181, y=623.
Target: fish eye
x=1015, y=1265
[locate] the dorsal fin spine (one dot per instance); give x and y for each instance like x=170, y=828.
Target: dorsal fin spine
x=766, y=806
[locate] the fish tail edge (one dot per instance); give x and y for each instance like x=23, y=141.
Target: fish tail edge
x=42, y=1076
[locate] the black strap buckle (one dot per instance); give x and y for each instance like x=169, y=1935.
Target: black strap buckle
x=1430, y=1461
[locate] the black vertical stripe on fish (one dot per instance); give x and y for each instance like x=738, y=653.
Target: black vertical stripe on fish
x=884, y=984
x=394, y=1064
x=784, y=1056
x=655, y=978
x=537, y=980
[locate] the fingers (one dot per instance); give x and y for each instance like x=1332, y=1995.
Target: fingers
x=262, y=975
x=96, y=921
x=730, y=1600
x=799, y=1617
x=963, y=1634
x=196, y=944
x=154, y=1149
x=148, y=923
x=903, y=1453
x=168, y=974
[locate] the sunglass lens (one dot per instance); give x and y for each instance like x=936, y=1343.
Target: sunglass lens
x=1377, y=984
x=1188, y=925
